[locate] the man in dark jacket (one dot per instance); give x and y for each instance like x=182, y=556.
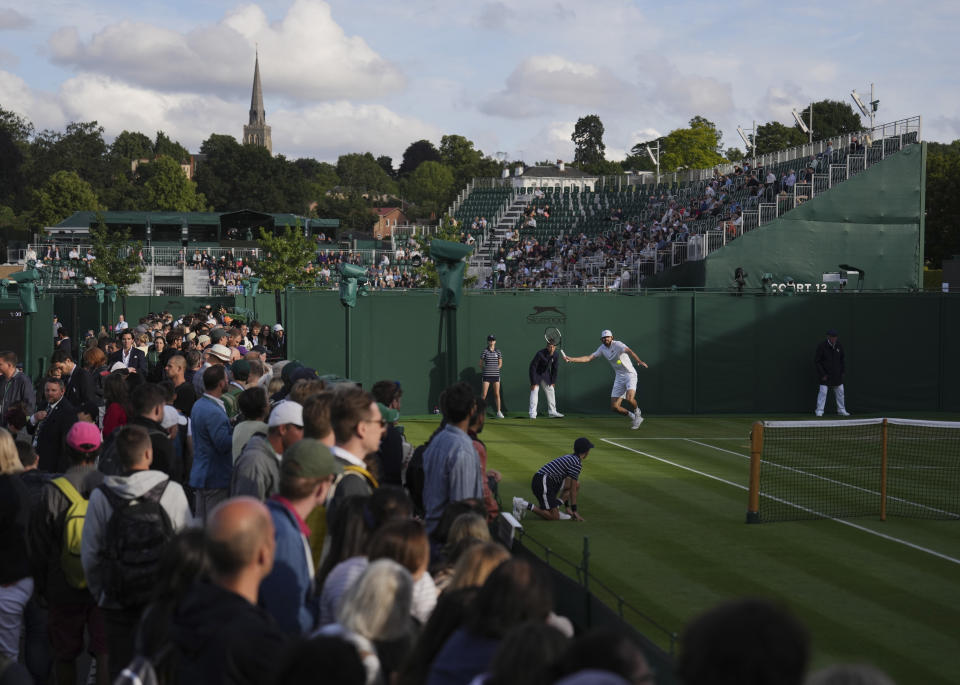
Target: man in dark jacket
x=147, y=403
x=129, y=355
x=829, y=361
x=543, y=373
x=221, y=636
x=388, y=395
x=49, y=426
x=15, y=386
x=80, y=389
x=72, y=608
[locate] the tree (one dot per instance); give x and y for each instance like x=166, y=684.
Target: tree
x=321, y=175
x=351, y=209
x=235, y=176
x=466, y=162
x=458, y=151
x=60, y=196
x=831, y=118
x=775, y=136
x=386, y=163
x=704, y=123
x=164, y=146
x=20, y=129
x=416, y=154
x=11, y=166
x=690, y=148
x=128, y=146
x=588, y=139
x=942, y=200
x=287, y=256
x=361, y=172
x=80, y=148
x=430, y=187
x=117, y=257
x=169, y=189
x=734, y=154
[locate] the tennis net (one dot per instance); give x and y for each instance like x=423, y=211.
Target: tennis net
x=850, y=468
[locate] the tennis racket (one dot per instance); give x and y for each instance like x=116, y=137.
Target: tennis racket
x=553, y=336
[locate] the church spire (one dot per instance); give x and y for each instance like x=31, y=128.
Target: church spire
x=257, y=115
x=257, y=132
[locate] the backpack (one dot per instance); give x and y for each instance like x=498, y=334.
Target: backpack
x=360, y=471
x=72, y=534
x=136, y=535
x=414, y=478
x=108, y=463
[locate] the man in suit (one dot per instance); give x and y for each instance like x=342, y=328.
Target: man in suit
x=50, y=426
x=80, y=388
x=132, y=358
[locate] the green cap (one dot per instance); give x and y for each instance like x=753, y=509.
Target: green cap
x=240, y=369
x=310, y=458
x=389, y=415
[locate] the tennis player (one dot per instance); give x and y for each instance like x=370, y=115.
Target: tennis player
x=624, y=375
x=556, y=483
x=491, y=361
x=543, y=374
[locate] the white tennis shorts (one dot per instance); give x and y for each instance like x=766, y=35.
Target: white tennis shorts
x=623, y=382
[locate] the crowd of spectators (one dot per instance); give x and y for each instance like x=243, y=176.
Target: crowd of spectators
x=631, y=244
x=225, y=515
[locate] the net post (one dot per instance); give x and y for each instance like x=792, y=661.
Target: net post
x=756, y=452
x=883, y=471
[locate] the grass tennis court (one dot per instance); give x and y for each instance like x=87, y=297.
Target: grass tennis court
x=665, y=508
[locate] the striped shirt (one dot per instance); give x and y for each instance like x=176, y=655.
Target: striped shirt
x=491, y=362
x=567, y=466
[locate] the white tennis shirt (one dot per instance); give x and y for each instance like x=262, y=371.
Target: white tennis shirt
x=617, y=355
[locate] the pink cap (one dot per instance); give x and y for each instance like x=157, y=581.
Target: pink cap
x=84, y=436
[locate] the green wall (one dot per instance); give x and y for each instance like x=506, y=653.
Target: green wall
x=873, y=221
x=708, y=353
x=80, y=313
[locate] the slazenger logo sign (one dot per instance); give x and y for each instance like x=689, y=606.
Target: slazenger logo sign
x=547, y=315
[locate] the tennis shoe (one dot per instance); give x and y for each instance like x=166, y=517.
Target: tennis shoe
x=533, y=416
x=818, y=413
x=844, y=413
x=500, y=415
x=519, y=508
x=556, y=415
x=564, y=516
x=637, y=420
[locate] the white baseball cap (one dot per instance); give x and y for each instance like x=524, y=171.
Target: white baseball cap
x=277, y=327
x=117, y=366
x=605, y=333
x=286, y=412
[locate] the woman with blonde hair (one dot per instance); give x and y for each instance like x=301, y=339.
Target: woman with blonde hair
x=476, y=564
x=16, y=583
x=9, y=457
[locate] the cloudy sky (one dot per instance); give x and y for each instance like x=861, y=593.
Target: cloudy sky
x=374, y=75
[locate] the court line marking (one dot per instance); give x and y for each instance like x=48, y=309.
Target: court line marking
x=850, y=524
x=744, y=439
x=829, y=480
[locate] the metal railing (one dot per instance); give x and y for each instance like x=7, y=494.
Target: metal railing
x=580, y=572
